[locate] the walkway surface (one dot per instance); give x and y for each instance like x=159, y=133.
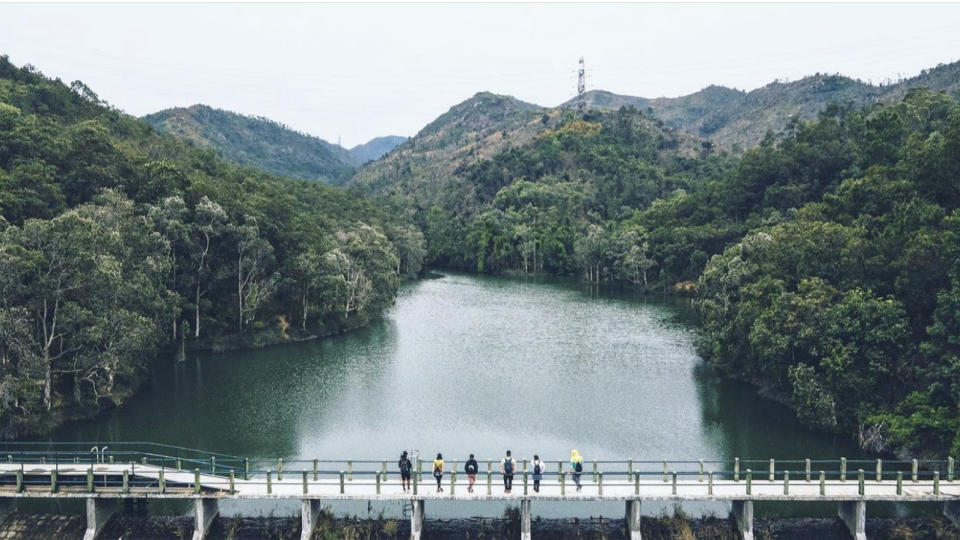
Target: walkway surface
x=144, y=481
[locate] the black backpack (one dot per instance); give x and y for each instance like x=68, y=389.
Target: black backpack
x=536, y=469
x=405, y=466
x=578, y=466
x=471, y=467
x=508, y=466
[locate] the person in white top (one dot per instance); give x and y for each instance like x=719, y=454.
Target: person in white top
x=538, y=467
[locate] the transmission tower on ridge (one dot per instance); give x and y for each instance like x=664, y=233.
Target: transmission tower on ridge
x=581, y=86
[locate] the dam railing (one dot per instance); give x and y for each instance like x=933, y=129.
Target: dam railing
x=104, y=475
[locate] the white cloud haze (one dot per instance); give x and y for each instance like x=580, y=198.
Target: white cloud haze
x=363, y=70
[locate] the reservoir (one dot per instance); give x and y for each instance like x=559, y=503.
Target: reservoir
x=465, y=364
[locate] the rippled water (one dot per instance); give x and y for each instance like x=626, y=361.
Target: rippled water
x=467, y=364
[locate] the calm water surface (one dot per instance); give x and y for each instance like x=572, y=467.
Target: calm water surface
x=468, y=364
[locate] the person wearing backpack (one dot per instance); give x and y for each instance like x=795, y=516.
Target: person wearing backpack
x=537, y=473
x=507, y=467
x=406, y=467
x=576, y=465
x=438, y=471
x=471, y=468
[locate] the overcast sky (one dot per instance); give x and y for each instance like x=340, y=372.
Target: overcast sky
x=359, y=71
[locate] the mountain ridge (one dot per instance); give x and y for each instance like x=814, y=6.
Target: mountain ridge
x=267, y=144
x=740, y=119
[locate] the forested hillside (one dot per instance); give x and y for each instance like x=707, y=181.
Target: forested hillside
x=472, y=130
x=116, y=241
x=824, y=260
x=257, y=142
x=739, y=120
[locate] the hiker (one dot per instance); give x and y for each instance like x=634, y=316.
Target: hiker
x=471, y=469
x=537, y=473
x=405, y=469
x=576, y=465
x=507, y=466
x=438, y=471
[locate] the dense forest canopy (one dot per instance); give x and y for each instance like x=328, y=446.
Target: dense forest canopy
x=115, y=241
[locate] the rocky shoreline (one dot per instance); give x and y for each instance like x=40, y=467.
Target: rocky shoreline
x=129, y=527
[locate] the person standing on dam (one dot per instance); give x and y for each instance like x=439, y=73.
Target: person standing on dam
x=507, y=467
x=406, y=467
x=471, y=468
x=537, y=473
x=576, y=466
x=438, y=471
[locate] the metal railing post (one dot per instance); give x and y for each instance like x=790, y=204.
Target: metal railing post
x=246, y=468
x=673, y=485
x=269, y=482
x=594, y=471
x=915, y=470
x=899, y=482
x=384, y=470
x=807, y=468
x=843, y=469
x=161, y=481
x=489, y=482
x=736, y=469
x=196, y=481
x=700, y=470
x=53, y=481
x=316, y=469
x=823, y=483
x=20, y=480
x=341, y=482
x=563, y=484
x=305, y=483
x=350, y=470
x=377, y=474
x=90, y=480
x=600, y=483
x=453, y=478
x=749, y=482
x=710, y=483
x=879, y=470
x=860, y=481
x=213, y=464
x=524, y=481
x=936, y=482
x=772, y=469
x=232, y=481
x=280, y=470
x=949, y=469
x=665, y=472
x=786, y=482
x=636, y=483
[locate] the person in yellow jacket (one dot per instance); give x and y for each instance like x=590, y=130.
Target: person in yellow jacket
x=438, y=471
x=576, y=467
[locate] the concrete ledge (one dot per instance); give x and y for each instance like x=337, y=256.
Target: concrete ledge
x=204, y=512
x=854, y=515
x=633, y=519
x=309, y=512
x=99, y=512
x=743, y=514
